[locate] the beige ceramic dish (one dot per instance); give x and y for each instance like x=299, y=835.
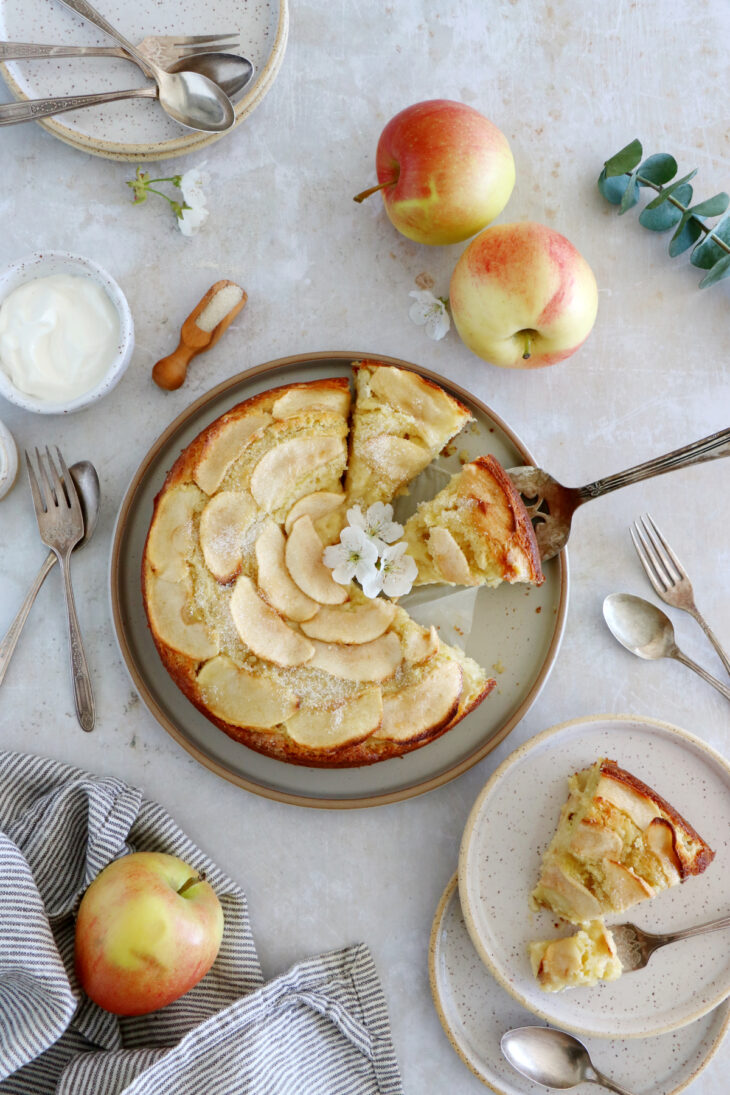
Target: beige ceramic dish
x=135, y=130
x=511, y=824
x=516, y=633
x=475, y=1012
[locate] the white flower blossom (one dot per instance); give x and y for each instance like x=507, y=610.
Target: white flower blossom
x=377, y=524
x=430, y=312
x=398, y=570
x=191, y=184
x=354, y=557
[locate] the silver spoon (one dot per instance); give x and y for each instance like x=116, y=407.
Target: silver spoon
x=231, y=72
x=553, y=1058
x=87, y=483
x=190, y=98
x=647, y=632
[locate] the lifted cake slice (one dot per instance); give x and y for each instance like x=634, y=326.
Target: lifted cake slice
x=585, y=958
x=476, y=531
x=617, y=842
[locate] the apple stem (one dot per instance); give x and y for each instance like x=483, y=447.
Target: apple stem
x=192, y=881
x=528, y=347
x=372, y=190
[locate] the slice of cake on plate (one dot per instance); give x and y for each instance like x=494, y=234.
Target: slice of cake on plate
x=476, y=531
x=585, y=958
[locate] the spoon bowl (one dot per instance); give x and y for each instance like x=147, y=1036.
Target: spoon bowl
x=231, y=72
x=194, y=101
x=86, y=479
x=552, y=1058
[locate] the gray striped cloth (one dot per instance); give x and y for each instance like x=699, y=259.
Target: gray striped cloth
x=322, y=1028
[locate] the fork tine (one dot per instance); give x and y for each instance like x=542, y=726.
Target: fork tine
x=58, y=490
x=681, y=572
x=660, y=561
x=200, y=39
x=72, y=493
x=35, y=490
x=48, y=494
x=645, y=560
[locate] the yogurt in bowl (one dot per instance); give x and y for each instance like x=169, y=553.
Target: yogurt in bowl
x=66, y=333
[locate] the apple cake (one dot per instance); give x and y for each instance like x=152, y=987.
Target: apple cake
x=246, y=616
x=585, y=958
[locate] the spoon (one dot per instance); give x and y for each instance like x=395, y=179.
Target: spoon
x=647, y=632
x=190, y=98
x=553, y=1058
x=84, y=476
x=231, y=72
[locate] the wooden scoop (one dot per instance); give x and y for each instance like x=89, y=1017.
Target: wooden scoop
x=201, y=330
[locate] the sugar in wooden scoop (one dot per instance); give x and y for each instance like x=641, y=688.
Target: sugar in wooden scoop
x=201, y=330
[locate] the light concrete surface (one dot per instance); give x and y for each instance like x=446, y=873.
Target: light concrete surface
x=570, y=84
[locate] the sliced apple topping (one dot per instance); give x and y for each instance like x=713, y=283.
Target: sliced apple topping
x=225, y=447
x=344, y=725
x=262, y=629
x=304, y=551
x=394, y=457
x=315, y=505
x=243, y=698
x=351, y=623
x=277, y=473
x=420, y=645
x=274, y=579
x=422, y=708
x=167, y=606
x=375, y=661
x=432, y=409
x=223, y=525
x=170, y=539
x=299, y=399
x=449, y=558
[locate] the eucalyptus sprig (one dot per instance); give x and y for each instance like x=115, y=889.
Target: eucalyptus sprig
x=620, y=182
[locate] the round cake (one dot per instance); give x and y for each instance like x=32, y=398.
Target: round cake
x=245, y=613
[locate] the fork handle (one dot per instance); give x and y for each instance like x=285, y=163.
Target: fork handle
x=679, y=656
x=83, y=695
x=20, y=51
x=699, y=452
x=699, y=929
x=10, y=641
x=87, y=11
x=695, y=612
x=29, y=110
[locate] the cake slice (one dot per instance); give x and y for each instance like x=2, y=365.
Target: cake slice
x=400, y=422
x=476, y=531
x=617, y=842
x=585, y=958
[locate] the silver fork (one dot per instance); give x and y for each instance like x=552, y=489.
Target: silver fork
x=161, y=49
x=635, y=947
x=61, y=525
x=668, y=576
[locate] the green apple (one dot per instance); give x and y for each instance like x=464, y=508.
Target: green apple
x=444, y=171
x=522, y=296
x=147, y=930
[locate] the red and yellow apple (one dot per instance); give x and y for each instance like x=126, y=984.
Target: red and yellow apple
x=147, y=930
x=522, y=296
x=444, y=171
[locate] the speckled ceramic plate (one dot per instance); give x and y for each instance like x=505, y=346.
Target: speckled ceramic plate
x=475, y=1012
x=135, y=129
x=515, y=634
x=511, y=824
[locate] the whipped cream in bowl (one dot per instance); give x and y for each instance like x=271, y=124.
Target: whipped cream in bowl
x=66, y=333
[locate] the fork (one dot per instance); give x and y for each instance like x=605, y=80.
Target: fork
x=61, y=526
x=668, y=577
x=635, y=947
x=163, y=49
x=551, y=506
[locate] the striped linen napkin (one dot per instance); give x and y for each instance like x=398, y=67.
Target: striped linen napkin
x=322, y=1028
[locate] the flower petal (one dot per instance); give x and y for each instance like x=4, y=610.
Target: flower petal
x=355, y=517
x=438, y=324
x=372, y=582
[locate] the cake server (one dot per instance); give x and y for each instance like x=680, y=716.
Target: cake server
x=553, y=1058
x=551, y=505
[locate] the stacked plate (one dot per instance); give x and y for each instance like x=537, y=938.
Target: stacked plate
x=134, y=129
x=652, y=1030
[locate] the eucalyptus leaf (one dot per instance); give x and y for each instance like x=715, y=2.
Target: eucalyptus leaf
x=625, y=160
x=658, y=169
x=630, y=195
x=613, y=188
x=713, y=207
x=669, y=190
x=708, y=252
x=659, y=220
x=687, y=233
x=719, y=271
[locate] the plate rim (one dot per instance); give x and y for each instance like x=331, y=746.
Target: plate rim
x=168, y=725
x=514, y=758
x=190, y=141
x=436, y=924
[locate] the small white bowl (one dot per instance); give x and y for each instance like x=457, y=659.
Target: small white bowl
x=45, y=264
